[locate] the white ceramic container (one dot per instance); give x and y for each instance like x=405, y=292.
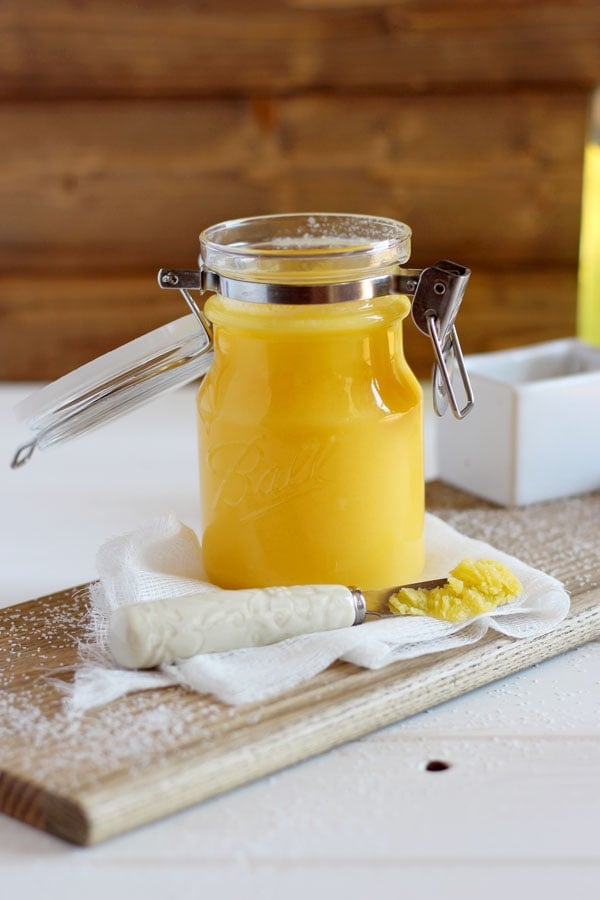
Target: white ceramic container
x=534, y=433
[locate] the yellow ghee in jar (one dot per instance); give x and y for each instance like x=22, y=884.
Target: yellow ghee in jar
x=310, y=438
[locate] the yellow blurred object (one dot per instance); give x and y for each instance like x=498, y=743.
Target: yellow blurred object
x=474, y=587
x=588, y=290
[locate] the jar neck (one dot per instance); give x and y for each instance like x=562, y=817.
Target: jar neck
x=283, y=320
x=350, y=362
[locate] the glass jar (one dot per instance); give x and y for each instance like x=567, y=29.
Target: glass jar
x=309, y=417
x=310, y=420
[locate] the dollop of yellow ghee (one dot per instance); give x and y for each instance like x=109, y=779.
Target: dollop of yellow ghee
x=473, y=587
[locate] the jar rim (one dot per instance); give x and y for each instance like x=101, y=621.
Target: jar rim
x=305, y=248
x=305, y=235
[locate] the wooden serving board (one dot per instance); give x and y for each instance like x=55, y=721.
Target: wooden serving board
x=153, y=753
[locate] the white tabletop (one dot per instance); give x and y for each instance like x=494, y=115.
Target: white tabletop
x=517, y=810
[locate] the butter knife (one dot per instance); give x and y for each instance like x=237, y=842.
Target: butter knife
x=157, y=632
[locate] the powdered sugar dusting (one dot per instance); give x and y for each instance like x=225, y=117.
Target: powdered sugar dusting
x=560, y=537
x=42, y=742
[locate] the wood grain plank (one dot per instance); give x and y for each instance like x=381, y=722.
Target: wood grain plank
x=153, y=49
x=130, y=185
x=52, y=323
x=151, y=754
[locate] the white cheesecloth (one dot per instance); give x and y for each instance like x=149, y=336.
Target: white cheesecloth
x=164, y=559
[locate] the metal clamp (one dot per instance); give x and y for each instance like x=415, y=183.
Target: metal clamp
x=435, y=305
x=437, y=293
x=402, y=281
x=186, y=280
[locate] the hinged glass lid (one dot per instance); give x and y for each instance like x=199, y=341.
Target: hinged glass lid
x=115, y=383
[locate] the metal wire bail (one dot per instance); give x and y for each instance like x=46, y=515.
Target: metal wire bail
x=436, y=302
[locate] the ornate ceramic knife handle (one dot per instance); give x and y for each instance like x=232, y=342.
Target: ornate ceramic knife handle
x=149, y=634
